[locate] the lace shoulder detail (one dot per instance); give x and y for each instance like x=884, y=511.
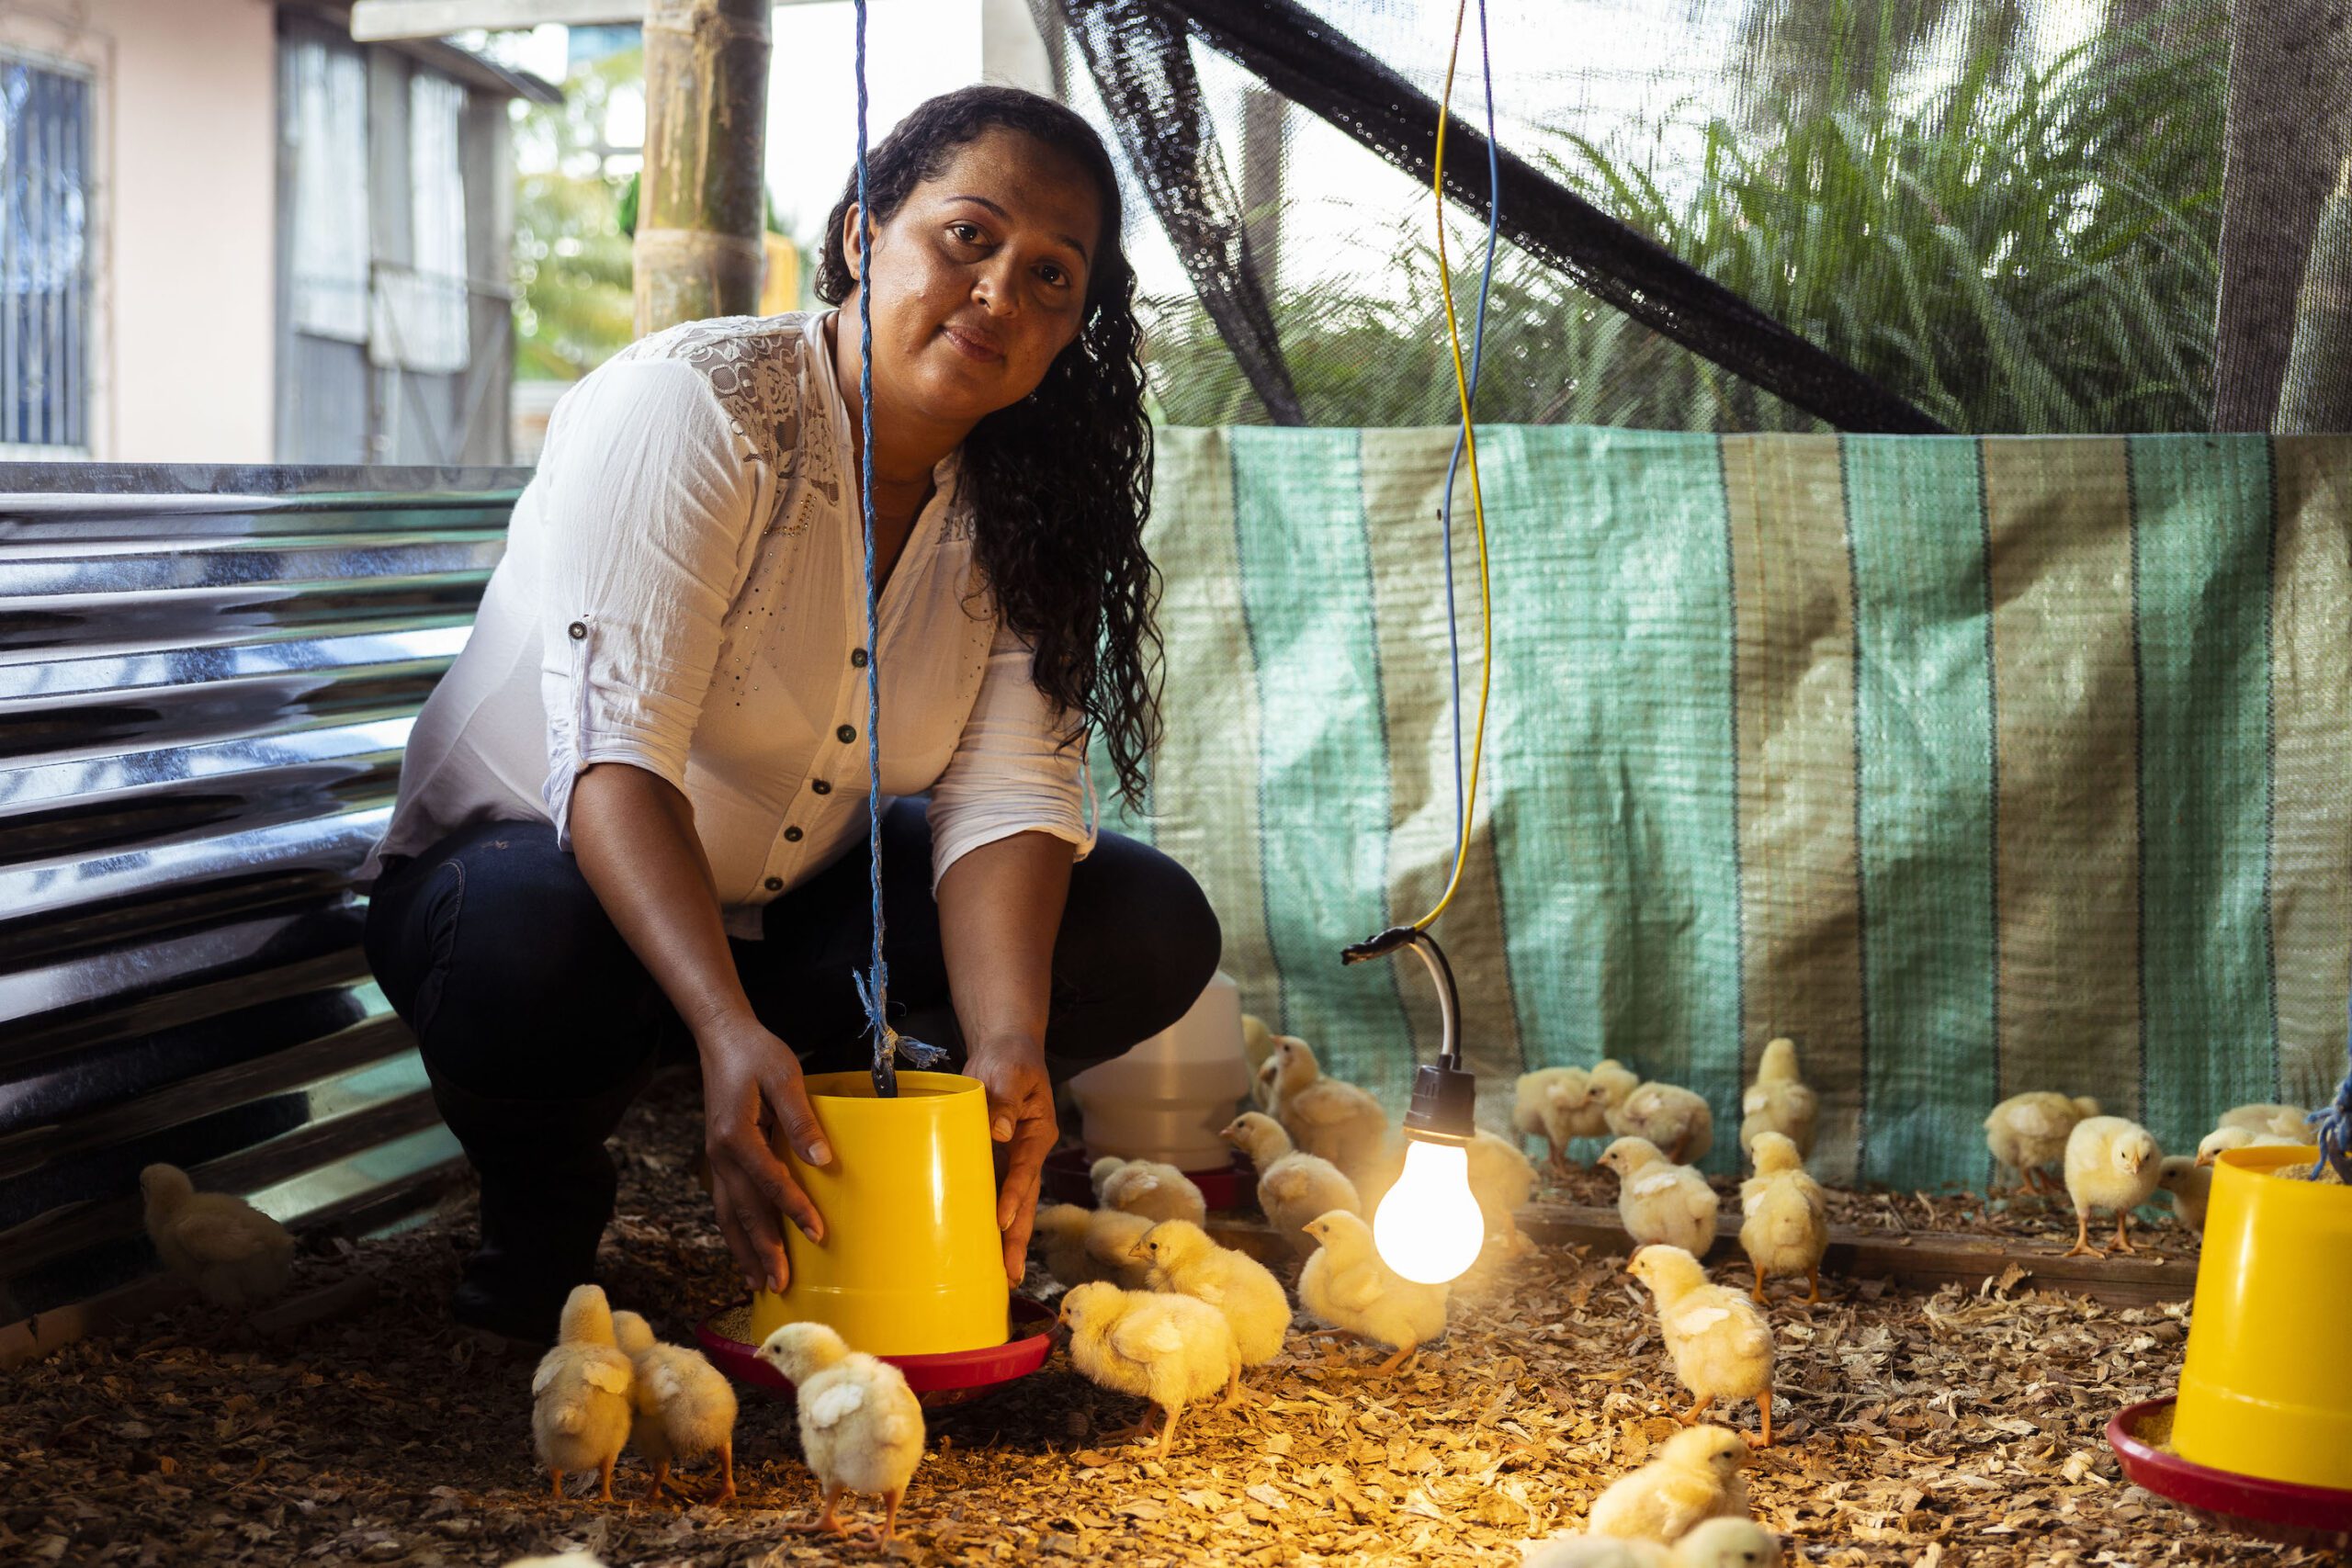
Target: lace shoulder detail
x=757, y=367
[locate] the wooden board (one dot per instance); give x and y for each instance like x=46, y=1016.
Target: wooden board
x=1919, y=1261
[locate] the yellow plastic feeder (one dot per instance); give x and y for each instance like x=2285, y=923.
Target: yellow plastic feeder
x=912, y=1263
x=2266, y=1389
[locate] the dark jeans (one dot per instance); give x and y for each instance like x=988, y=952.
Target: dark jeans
x=539, y=1025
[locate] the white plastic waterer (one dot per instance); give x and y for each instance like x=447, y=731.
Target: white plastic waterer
x=1167, y=1098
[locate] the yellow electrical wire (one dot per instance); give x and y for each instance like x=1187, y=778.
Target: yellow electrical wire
x=1477, y=501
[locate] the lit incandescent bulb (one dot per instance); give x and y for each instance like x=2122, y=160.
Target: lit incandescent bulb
x=1428, y=1228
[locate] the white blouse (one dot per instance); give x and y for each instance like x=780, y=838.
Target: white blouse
x=684, y=590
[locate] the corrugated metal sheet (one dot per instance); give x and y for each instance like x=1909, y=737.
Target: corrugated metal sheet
x=207, y=676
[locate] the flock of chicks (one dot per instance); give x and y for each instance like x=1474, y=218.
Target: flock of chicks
x=606, y=1382
x=1158, y=1309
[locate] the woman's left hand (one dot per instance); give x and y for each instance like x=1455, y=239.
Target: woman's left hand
x=1021, y=1117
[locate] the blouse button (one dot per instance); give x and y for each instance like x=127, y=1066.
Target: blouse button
x=776, y=884
x=792, y=835
x=845, y=734
x=578, y=629
x=820, y=787
x=858, y=657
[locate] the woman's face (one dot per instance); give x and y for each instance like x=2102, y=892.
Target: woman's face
x=980, y=278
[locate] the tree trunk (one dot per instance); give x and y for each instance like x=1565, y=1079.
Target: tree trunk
x=2290, y=113
x=703, y=200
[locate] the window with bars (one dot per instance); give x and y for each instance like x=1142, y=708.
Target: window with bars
x=45, y=199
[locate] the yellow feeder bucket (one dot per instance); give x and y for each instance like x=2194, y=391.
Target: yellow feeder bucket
x=2266, y=1389
x=912, y=1263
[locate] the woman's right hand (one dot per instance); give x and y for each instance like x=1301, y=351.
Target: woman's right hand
x=751, y=1087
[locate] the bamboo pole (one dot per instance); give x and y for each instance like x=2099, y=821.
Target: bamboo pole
x=703, y=196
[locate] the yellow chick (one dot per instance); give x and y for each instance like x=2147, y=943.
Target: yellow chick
x=1502, y=1178
x=1058, y=1233
x=1261, y=1084
x=2191, y=1186
x=2111, y=1164
x=1674, y=1119
x=1694, y=1478
x=1257, y=1042
x=1610, y=1083
x=1346, y=1285
x=1659, y=1201
x=685, y=1408
x=1785, y=1215
x=1593, y=1551
x=2222, y=1139
x=2027, y=1132
x=1146, y=1186
x=1532, y=1102
x=1778, y=1100
x=1293, y=1186
x=1171, y=1350
x=861, y=1426
x=580, y=1395
x=2291, y=1123
x=1727, y=1543
x=1111, y=1237
x=1337, y=1121
x=233, y=1253
x=1720, y=1341
x=1183, y=1261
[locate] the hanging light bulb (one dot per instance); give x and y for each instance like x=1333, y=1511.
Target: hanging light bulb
x=1428, y=1228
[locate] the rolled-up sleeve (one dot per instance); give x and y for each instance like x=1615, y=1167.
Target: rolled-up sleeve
x=1010, y=772
x=649, y=528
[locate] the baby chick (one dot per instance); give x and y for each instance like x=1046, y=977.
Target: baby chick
x=2287, y=1122
x=580, y=1395
x=861, y=1426
x=1713, y=1543
x=1183, y=1261
x=2222, y=1139
x=1660, y=1201
x=1261, y=1084
x=1778, y=1100
x=1058, y=1233
x=2113, y=1164
x=2027, y=1132
x=1694, y=1478
x=685, y=1408
x=1721, y=1343
x=2191, y=1186
x=1531, y=1102
x=1337, y=1121
x=1172, y=1350
x=1785, y=1227
x=1146, y=1186
x=1502, y=1178
x=1257, y=1040
x=1727, y=1543
x=1345, y=1284
x=1676, y=1119
x=1293, y=1186
x=233, y=1253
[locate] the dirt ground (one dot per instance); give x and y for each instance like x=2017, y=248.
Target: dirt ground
x=1943, y=1429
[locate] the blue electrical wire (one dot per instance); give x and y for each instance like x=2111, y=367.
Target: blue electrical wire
x=873, y=987
x=1477, y=353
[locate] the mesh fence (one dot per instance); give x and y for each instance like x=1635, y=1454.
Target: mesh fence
x=1733, y=215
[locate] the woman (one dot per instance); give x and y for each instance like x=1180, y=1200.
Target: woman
x=634, y=814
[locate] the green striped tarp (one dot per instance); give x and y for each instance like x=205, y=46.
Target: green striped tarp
x=1974, y=765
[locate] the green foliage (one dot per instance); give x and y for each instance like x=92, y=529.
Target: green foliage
x=573, y=271
x=2025, y=250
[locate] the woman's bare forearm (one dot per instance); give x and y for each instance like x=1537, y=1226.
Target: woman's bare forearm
x=633, y=834
x=1000, y=911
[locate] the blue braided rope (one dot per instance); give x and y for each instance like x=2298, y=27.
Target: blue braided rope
x=873, y=987
x=1477, y=355
x=2334, y=1123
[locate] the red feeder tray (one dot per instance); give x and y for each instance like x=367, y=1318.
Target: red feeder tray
x=1232, y=1186
x=950, y=1377
x=2140, y=1434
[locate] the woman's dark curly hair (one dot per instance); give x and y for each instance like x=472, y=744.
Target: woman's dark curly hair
x=1059, y=483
